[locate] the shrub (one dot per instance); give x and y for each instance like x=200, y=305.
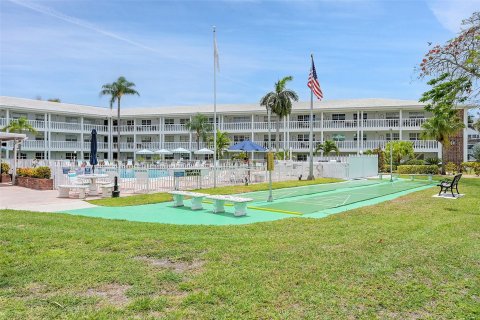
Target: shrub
x=417, y=169
x=433, y=161
x=42, y=173
x=451, y=168
x=476, y=152
x=476, y=168
x=5, y=167
x=416, y=162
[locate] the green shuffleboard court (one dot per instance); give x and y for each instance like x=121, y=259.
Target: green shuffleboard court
x=339, y=197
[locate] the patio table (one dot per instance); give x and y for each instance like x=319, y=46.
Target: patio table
x=93, y=190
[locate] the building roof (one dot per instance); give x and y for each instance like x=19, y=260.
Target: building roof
x=331, y=105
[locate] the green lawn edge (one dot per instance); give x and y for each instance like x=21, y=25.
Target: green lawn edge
x=151, y=198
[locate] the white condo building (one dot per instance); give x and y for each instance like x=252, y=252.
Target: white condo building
x=356, y=125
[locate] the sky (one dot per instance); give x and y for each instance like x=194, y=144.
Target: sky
x=362, y=49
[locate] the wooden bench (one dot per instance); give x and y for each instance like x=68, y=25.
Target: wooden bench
x=239, y=203
x=448, y=184
x=178, y=197
x=64, y=190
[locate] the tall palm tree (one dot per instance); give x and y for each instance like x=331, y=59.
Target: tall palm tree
x=116, y=91
x=440, y=128
x=19, y=125
x=201, y=126
x=327, y=147
x=223, y=142
x=280, y=102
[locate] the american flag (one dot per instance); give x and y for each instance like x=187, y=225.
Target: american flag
x=313, y=83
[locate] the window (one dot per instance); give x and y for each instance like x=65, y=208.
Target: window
x=129, y=139
x=39, y=117
x=71, y=138
x=71, y=120
x=184, y=139
x=146, y=122
x=241, y=119
x=395, y=136
x=39, y=137
x=184, y=120
x=146, y=139
x=239, y=138
x=304, y=117
x=355, y=137
x=301, y=157
x=392, y=115
x=169, y=138
x=338, y=116
x=130, y=122
x=416, y=115
x=18, y=115
x=22, y=155
x=86, y=156
x=70, y=156
x=355, y=116
x=40, y=155
x=414, y=136
x=272, y=137
x=169, y=121
x=210, y=120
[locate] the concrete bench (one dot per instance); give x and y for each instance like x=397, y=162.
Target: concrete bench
x=64, y=190
x=178, y=197
x=413, y=175
x=106, y=190
x=239, y=203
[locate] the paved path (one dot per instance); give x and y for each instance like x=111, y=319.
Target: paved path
x=18, y=198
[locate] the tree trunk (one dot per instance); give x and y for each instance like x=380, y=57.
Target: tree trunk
x=118, y=130
x=443, y=158
x=277, y=135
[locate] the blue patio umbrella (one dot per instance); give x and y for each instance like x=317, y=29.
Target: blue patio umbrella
x=247, y=146
x=93, y=150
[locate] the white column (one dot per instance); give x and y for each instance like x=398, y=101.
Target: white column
x=81, y=139
x=159, y=133
x=321, y=127
x=465, y=135
x=251, y=129
x=361, y=130
x=110, y=138
x=400, y=133
x=45, y=134
x=358, y=132
x=190, y=137
x=7, y=118
x=134, y=139
x=49, y=136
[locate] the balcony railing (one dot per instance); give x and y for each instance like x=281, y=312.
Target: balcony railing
x=33, y=144
x=3, y=122
x=37, y=124
x=175, y=145
x=175, y=127
x=339, y=124
x=381, y=123
x=98, y=127
x=409, y=123
x=237, y=126
x=147, y=128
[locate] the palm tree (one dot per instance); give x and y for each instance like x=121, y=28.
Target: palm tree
x=327, y=147
x=200, y=125
x=19, y=125
x=280, y=102
x=440, y=128
x=116, y=90
x=223, y=142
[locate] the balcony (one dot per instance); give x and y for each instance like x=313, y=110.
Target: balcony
x=413, y=123
x=175, y=128
x=381, y=123
x=33, y=145
x=65, y=126
x=3, y=122
x=237, y=126
x=175, y=145
x=37, y=124
x=98, y=127
x=147, y=128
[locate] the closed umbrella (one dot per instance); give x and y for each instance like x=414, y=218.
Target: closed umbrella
x=93, y=150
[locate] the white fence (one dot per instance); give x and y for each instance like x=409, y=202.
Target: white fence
x=161, y=177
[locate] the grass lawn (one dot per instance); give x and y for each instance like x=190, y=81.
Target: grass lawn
x=410, y=258
x=165, y=197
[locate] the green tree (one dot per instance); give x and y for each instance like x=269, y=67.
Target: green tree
x=327, y=147
x=201, y=126
x=441, y=100
x=116, y=90
x=223, y=142
x=401, y=151
x=19, y=125
x=280, y=102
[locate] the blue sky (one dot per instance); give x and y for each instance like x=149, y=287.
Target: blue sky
x=68, y=49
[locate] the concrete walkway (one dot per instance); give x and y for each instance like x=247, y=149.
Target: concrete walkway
x=19, y=198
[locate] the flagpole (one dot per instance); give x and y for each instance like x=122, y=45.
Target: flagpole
x=214, y=110
x=310, y=171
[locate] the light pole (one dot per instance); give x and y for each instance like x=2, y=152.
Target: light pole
x=270, y=197
x=391, y=155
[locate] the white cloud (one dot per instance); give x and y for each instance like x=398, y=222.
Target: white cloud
x=450, y=13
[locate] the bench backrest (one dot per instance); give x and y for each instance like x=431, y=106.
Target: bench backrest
x=456, y=179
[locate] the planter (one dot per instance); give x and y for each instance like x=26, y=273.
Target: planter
x=34, y=183
x=5, y=177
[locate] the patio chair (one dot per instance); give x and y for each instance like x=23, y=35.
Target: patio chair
x=448, y=184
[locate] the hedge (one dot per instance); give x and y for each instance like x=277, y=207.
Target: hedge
x=39, y=172
x=5, y=167
x=471, y=166
x=417, y=169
